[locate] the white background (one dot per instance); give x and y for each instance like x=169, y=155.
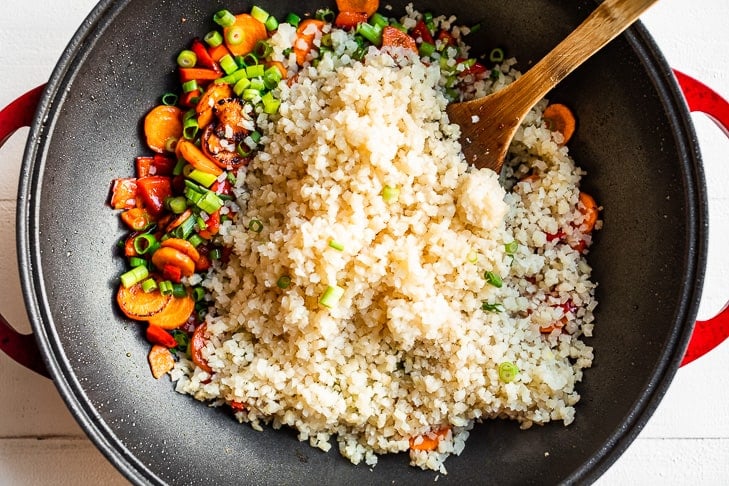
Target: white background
x=686, y=441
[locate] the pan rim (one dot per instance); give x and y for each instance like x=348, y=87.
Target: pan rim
x=33, y=283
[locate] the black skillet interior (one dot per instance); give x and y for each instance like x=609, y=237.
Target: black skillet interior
x=634, y=139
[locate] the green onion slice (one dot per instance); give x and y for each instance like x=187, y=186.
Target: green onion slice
x=224, y=18
x=336, y=245
x=169, y=99
x=255, y=225
x=507, y=371
x=511, y=247
x=331, y=296
x=283, y=282
x=486, y=306
x=497, y=55
x=149, y=285
x=186, y=59
x=145, y=243
x=213, y=38
x=493, y=278
x=134, y=276
x=390, y=194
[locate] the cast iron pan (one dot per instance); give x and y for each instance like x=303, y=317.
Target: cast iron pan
x=634, y=138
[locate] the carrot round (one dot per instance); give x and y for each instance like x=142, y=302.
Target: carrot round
x=208, y=100
x=588, y=208
x=367, y=6
x=392, y=37
x=429, y=442
x=559, y=118
x=161, y=124
x=241, y=37
x=182, y=245
x=305, y=34
x=197, y=343
x=196, y=158
x=350, y=20
x=175, y=314
x=174, y=258
x=139, y=305
x=160, y=360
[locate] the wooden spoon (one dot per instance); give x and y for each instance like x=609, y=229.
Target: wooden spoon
x=488, y=124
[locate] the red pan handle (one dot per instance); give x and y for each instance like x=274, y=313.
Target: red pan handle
x=707, y=334
x=21, y=347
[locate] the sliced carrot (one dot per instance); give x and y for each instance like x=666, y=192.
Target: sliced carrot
x=160, y=360
x=367, y=6
x=197, y=343
x=137, y=219
x=213, y=94
x=182, y=245
x=139, y=305
x=190, y=99
x=588, y=207
x=218, y=52
x=175, y=258
x=559, y=118
x=349, y=20
x=199, y=74
x=196, y=158
x=392, y=37
x=175, y=314
x=247, y=31
x=429, y=442
x=161, y=124
x=178, y=220
x=203, y=264
x=124, y=193
x=157, y=335
x=305, y=34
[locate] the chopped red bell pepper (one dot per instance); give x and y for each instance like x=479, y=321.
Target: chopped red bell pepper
x=156, y=165
x=124, y=193
x=447, y=38
x=218, y=52
x=349, y=20
x=198, y=74
x=154, y=190
x=173, y=273
x=203, y=56
x=421, y=31
x=157, y=335
x=137, y=219
x=237, y=406
x=212, y=226
x=222, y=187
x=190, y=99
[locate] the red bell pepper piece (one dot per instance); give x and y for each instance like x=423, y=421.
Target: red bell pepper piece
x=137, y=219
x=421, y=31
x=447, y=38
x=172, y=272
x=475, y=69
x=124, y=193
x=349, y=20
x=190, y=98
x=222, y=187
x=157, y=335
x=156, y=165
x=212, y=226
x=154, y=190
x=203, y=56
x=198, y=74
x=218, y=52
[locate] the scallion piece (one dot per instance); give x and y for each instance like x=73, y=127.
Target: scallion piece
x=390, y=194
x=426, y=49
x=250, y=59
x=250, y=94
x=283, y=282
x=234, y=77
x=198, y=293
x=293, y=19
x=234, y=35
x=196, y=240
x=325, y=14
x=255, y=225
x=474, y=29
x=511, y=247
x=241, y=85
x=213, y=38
x=215, y=254
x=259, y=14
x=270, y=104
x=178, y=290
x=165, y=287
x=244, y=150
x=189, y=86
x=224, y=18
x=258, y=84
x=186, y=59
x=137, y=262
x=169, y=99
x=485, y=305
x=262, y=49
x=210, y=202
x=497, y=55
x=472, y=256
x=228, y=64
x=255, y=70
x=190, y=128
x=177, y=170
x=370, y=32
x=379, y=20
x=271, y=23
x=204, y=178
x=493, y=279
x=149, y=285
x=185, y=229
x=145, y=243
x=507, y=371
x=429, y=23
x=336, y=245
x=331, y=296
x=134, y=276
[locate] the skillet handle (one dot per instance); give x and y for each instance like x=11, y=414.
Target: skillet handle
x=20, y=347
x=707, y=334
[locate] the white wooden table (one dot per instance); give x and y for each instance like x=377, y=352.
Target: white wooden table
x=686, y=441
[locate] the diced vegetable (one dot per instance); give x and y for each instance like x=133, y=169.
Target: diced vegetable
x=350, y=20
x=429, y=442
x=154, y=190
x=157, y=335
x=245, y=33
x=305, y=34
x=124, y=193
x=369, y=7
x=161, y=124
x=161, y=361
x=559, y=118
x=197, y=343
x=177, y=311
x=588, y=207
x=392, y=37
x=139, y=305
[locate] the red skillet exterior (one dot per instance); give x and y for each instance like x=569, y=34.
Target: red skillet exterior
x=634, y=137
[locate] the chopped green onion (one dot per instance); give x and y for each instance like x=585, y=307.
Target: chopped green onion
x=134, y=276
x=178, y=290
x=511, y=247
x=224, y=18
x=171, y=144
x=426, y=49
x=491, y=307
x=188, y=86
x=250, y=94
x=137, y=262
x=370, y=32
x=259, y=14
x=390, y=194
x=331, y=296
x=255, y=225
x=272, y=76
x=325, y=14
x=228, y=64
x=379, y=20
x=283, y=282
x=198, y=293
x=270, y=104
x=472, y=256
x=196, y=240
x=255, y=71
x=149, y=285
x=495, y=74
x=213, y=38
x=271, y=23
x=293, y=19
x=169, y=99
x=234, y=35
x=429, y=23
x=493, y=279
x=186, y=59
x=241, y=85
x=201, y=224
x=215, y=254
x=336, y=245
x=507, y=371
x=497, y=55
x=250, y=59
x=185, y=229
x=244, y=150
x=165, y=287
x=210, y=202
x=204, y=178
x=256, y=136
x=182, y=341
x=231, y=178
x=262, y=49
x=190, y=128
x=177, y=170
x=145, y=243
x=474, y=28
x=233, y=77
x=258, y=84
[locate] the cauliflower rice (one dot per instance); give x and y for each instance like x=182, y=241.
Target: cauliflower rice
x=415, y=341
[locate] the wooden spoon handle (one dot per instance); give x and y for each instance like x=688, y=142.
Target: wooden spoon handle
x=605, y=23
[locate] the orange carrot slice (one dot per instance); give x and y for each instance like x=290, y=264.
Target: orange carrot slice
x=139, y=305
x=175, y=314
x=196, y=158
x=367, y=6
x=213, y=94
x=429, y=442
x=588, y=207
x=560, y=119
x=160, y=360
x=392, y=37
x=349, y=20
x=175, y=258
x=241, y=37
x=197, y=343
x=305, y=34
x=161, y=124
x=182, y=245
